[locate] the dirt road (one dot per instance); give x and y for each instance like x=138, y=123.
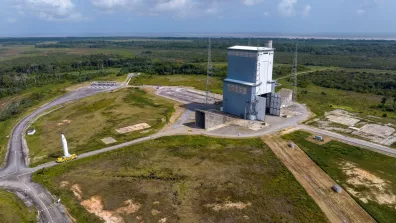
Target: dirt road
x=338, y=207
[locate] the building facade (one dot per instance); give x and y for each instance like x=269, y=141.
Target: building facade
x=248, y=90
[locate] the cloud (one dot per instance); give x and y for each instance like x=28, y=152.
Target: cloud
x=174, y=7
x=53, y=10
x=107, y=4
x=251, y=2
x=367, y=6
x=307, y=10
x=144, y=6
x=12, y=20
x=360, y=12
x=171, y=5
x=286, y=7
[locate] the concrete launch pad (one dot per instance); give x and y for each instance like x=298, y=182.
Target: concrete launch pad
x=228, y=126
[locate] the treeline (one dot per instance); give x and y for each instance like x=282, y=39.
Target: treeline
x=367, y=54
x=17, y=106
x=362, y=82
x=369, y=48
x=17, y=78
x=11, y=84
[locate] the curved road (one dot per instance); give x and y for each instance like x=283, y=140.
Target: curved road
x=16, y=176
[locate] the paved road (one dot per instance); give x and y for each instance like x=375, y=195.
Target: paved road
x=352, y=141
x=16, y=176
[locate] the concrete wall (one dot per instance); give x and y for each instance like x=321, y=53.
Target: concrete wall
x=211, y=119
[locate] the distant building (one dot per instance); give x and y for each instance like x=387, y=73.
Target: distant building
x=249, y=91
x=286, y=97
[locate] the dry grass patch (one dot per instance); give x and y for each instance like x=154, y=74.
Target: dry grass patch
x=366, y=175
x=184, y=179
x=87, y=121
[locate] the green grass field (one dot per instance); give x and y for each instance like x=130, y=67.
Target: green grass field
x=184, y=179
x=12, y=209
x=88, y=120
x=197, y=81
x=50, y=91
x=321, y=100
x=368, y=176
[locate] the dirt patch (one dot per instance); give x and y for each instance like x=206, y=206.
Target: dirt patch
x=378, y=189
x=64, y=184
x=338, y=207
x=175, y=116
x=343, y=120
x=95, y=206
x=377, y=130
x=155, y=212
x=133, y=128
x=77, y=191
x=228, y=205
x=129, y=207
x=63, y=122
x=108, y=140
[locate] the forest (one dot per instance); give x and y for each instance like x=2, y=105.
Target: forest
x=56, y=60
x=362, y=82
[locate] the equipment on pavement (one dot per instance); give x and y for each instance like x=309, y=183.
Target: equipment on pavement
x=66, y=155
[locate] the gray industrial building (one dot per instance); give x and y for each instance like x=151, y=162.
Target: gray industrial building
x=249, y=91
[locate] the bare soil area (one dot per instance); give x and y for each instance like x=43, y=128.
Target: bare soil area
x=379, y=190
x=338, y=207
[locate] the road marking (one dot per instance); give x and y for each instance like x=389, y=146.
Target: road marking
x=36, y=196
x=16, y=166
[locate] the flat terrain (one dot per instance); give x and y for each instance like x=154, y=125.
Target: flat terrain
x=12, y=209
x=36, y=97
x=321, y=100
x=182, y=179
x=367, y=176
x=337, y=207
x=89, y=120
x=197, y=81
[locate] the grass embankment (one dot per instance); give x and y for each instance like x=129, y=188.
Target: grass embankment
x=321, y=100
x=368, y=176
x=184, y=179
x=12, y=209
x=197, y=81
x=46, y=93
x=88, y=120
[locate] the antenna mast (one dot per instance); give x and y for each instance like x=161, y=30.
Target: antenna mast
x=294, y=73
x=209, y=70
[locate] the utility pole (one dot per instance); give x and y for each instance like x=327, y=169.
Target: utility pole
x=294, y=73
x=209, y=70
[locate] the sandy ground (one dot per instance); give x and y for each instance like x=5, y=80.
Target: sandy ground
x=108, y=140
x=95, y=206
x=133, y=128
x=379, y=190
x=338, y=207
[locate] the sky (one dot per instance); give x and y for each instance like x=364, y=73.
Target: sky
x=194, y=17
